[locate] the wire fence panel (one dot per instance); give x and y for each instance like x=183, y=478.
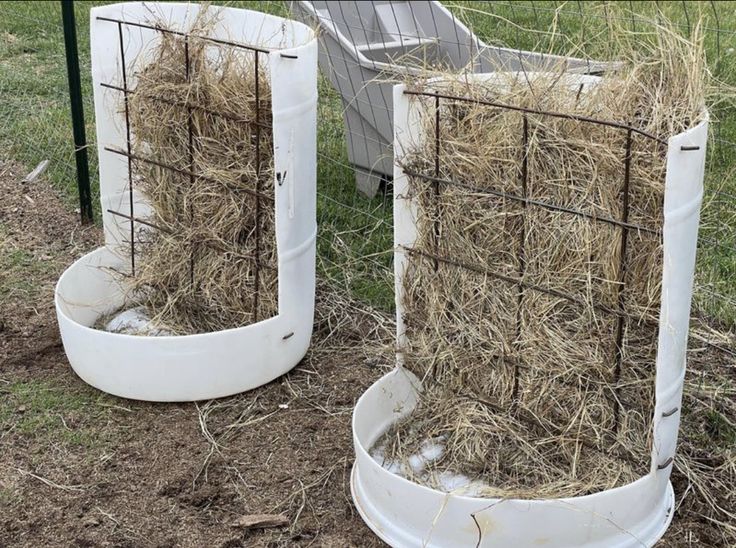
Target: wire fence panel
x=355, y=238
x=35, y=122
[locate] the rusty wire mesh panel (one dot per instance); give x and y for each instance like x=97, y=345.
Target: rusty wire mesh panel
x=581, y=29
x=193, y=149
x=516, y=364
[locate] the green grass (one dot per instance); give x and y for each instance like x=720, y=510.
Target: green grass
x=720, y=429
x=355, y=233
x=8, y=497
x=19, y=269
x=356, y=237
x=56, y=414
x=34, y=102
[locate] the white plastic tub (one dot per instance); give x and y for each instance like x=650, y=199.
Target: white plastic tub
x=210, y=365
x=407, y=514
x=404, y=513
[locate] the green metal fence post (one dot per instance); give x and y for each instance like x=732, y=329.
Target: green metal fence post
x=77, y=109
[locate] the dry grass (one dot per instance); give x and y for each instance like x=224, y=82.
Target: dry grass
x=198, y=272
x=526, y=387
x=705, y=466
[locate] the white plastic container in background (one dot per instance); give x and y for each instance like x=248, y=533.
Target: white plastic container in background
x=406, y=514
x=209, y=365
x=364, y=45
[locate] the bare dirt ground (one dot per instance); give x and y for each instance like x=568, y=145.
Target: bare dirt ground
x=81, y=468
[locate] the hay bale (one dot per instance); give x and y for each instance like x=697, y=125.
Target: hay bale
x=198, y=272
x=524, y=387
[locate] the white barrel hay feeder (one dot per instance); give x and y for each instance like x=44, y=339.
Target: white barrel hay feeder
x=406, y=514
x=215, y=364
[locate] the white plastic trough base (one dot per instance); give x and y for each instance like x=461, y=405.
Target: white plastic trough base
x=208, y=365
x=177, y=368
x=406, y=514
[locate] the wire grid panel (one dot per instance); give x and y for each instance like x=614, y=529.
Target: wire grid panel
x=520, y=202
x=144, y=37
x=523, y=26
x=588, y=25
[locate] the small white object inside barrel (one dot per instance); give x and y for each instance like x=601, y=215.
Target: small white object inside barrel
x=135, y=321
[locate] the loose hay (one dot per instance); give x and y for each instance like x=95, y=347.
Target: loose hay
x=523, y=386
x=197, y=272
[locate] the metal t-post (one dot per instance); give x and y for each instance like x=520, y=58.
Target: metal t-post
x=77, y=109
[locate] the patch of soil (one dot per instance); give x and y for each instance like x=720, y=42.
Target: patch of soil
x=35, y=221
x=127, y=473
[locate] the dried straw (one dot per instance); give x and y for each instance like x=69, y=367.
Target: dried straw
x=198, y=273
x=523, y=386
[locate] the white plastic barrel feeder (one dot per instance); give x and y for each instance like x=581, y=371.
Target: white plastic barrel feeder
x=404, y=513
x=216, y=364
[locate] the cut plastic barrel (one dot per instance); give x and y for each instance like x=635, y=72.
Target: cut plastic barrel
x=208, y=365
x=406, y=514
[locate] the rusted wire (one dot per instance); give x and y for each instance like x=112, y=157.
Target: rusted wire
x=578, y=117
x=618, y=349
x=516, y=281
x=129, y=149
x=212, y=245
x=190, y=153
x=186, y=172
x=436, y=186
x=199, y=37
x=522, y=241
x=186, y=104
x=257, y=273
x=537, y=203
